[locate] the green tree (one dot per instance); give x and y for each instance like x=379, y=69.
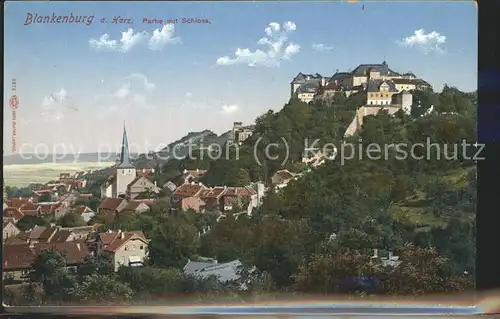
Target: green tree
x=71, y=219
x=29, y=222
x=101, y=289
x=172, y=242
x=100, y=264
x=49, y=269
x=151, y=280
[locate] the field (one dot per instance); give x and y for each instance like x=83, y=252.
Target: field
x=23, y=175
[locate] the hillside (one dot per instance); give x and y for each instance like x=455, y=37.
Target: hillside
x=180, y=148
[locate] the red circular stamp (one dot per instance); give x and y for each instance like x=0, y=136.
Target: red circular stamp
x=14, y=102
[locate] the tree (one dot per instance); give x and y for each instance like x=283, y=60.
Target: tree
x=101, y=289
x=100, y=264
x=172, y=242
x=29, y=222
x=71, y=219
x=280, y=247
x=339, y=272
x=151, y=280
x=50, y=271
x=422, y=271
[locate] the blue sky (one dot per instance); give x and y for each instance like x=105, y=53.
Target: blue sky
x=77, y=92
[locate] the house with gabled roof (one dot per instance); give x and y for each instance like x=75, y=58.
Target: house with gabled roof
x=137, y=206
x=9, y=230
x=192, y=175
x=13, y=214
x=380, y=92
x=125, y=248
x=18, y=259
x=86, y=212
x=302, y=78
x=110, y=206
x=139, y=185
x=281, y=178
x=187, y=190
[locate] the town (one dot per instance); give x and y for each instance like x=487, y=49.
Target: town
x=182, y=225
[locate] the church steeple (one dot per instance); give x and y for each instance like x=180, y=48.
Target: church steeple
x=125, y=153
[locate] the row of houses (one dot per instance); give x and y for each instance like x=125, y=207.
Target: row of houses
x=16, y=208
x=77, y=243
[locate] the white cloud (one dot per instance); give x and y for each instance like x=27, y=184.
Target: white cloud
x=278, y=48
x=148, y=86
x=132, y=94
x=161, y=38
x=427, y=43
x=322, y=47
x=56, y=105
x=129, y=39
x=189, y=95
x=230, y=109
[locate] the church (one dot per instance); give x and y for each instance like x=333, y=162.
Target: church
x=125, y=182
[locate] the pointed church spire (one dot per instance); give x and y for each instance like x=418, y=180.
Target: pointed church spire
x=125, y=153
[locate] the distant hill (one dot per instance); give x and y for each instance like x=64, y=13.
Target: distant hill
x=28, y=158
x=181, y=147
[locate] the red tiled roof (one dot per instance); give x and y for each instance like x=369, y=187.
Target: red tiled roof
x=47, y=233
x=282, y=175
x=188, y=190
x=12, y=212
x=48, y=208
x=196, y=173
x=73, y=251
x=17, y=257
x=61, y=236
x=112, y=241
x=80, y=209
x=111, y=203
x=17, y=202
x=121, y=240
x=132, y=205
x=216, y=192
x=231, y=191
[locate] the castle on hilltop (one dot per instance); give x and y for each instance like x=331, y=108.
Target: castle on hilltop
x=382, y=85
x=383, y=89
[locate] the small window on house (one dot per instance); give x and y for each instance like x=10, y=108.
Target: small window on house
x=126, y=248
x=142, y=247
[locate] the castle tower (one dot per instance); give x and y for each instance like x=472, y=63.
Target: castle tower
x=125, y=171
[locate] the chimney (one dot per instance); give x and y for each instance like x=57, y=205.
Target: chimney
x=122, y=235
x=78, y=246
x=197, y=170
x=156, y=183
x=390, y=255
x=323, y=81
x=375, y=253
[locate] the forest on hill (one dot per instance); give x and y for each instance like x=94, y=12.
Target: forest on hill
x=318, y=234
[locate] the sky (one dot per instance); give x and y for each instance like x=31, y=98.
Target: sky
x=77, y=83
